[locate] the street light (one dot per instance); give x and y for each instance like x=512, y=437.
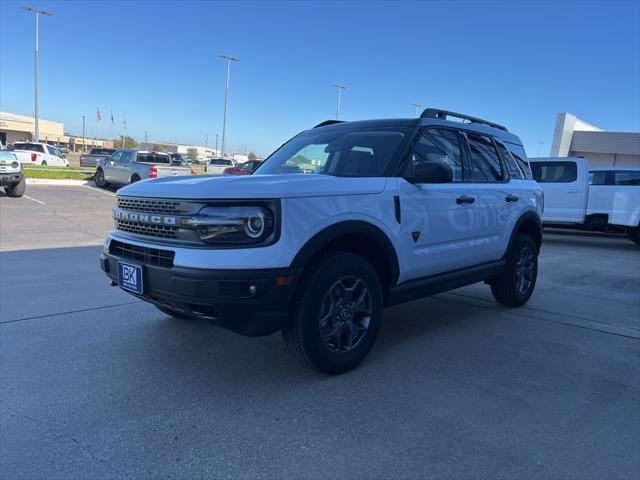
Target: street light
x=83, y=148
x=417, y=106
x=37, y=11
x=229, y=59
x=340, y=88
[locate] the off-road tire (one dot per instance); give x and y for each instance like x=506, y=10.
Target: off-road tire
x=302, y=334
x=17, y=189
x=99, y=179
x=504, y=288
x=174, y=313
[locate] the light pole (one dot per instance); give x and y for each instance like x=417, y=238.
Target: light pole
x=37, y=11
x=83, y=149
x=216, y=144
x=229, y=59
x=340, y=88
x=417, y=107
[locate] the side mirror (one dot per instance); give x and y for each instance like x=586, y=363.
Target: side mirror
x=432, y=172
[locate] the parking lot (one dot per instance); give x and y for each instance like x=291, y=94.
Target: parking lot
x=98, y=384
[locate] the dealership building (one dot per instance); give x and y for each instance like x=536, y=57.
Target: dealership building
x=21, y=128
x=576, y=138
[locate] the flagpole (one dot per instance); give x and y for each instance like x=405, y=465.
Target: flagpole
x=125, y=130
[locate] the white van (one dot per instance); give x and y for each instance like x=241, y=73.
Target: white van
x=596, y=198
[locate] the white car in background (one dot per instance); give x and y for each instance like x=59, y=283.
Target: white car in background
x=38, y=153
x=217, y=166
x=589, y=198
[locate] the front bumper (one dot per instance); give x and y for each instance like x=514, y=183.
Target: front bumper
x=248, y=302
x=10, y=178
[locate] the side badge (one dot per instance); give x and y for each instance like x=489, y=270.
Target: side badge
x=415, y=235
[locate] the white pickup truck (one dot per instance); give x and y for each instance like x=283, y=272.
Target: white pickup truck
x=38, y=153
x=589, y=198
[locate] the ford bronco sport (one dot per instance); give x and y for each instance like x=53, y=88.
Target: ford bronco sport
x=343, y=220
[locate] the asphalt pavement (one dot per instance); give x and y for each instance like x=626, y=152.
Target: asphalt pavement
x=96, y=384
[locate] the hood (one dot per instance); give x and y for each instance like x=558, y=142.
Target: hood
x=203, y=187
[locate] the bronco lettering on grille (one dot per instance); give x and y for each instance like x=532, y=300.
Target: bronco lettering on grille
x=147, y=218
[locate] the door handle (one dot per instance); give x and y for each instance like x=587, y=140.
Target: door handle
x=512, y=198
x=465, y=199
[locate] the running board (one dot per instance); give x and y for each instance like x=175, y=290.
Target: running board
x=423, y=287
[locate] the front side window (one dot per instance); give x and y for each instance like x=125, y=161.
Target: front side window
x=439, y=145
x=340, y=152
x=485, y=162
x=554, y=172
x=116, y=157
x=126, y=158
x=54, y=151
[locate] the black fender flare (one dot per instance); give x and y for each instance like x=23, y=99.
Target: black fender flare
x=529, y=215
x=345, y=229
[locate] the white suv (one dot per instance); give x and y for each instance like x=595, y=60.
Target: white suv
x=341, y=221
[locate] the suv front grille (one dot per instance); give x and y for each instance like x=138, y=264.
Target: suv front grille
x=158, y=231
x=146, y=255
x=166, y=207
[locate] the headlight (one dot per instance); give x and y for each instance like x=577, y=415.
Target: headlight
x=15, y=164
x=233, y=224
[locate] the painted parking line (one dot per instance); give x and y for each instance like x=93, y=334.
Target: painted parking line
x=101, y=190
x=34, y=200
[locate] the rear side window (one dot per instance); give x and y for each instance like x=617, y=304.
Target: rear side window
x=221, y=162
x=599, y=177
x=512, y=165
x=554, y=172
x=485, y=162
x=627, y=177
x=153, y=158
x=35, y=147
x=521, y=159
x=439, y=145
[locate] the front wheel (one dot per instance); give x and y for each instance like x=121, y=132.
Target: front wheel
x=99, y=178
x=514, y=286
x=338, y=313
x=44, y=163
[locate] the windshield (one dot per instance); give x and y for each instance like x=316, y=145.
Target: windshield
x=339, y=152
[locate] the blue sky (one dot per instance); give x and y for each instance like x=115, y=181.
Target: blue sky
x=515, y=63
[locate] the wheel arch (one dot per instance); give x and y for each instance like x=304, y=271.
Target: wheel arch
x=359, y=237
x=530, y=224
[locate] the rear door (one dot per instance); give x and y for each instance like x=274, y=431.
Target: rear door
x=565, y=187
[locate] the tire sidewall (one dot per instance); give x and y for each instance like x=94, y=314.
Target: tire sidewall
x=521, y=242
x=100, y=174
x=319, y=355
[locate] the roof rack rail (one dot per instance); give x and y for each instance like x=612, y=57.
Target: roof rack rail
x=443, y=114
x=328, y=122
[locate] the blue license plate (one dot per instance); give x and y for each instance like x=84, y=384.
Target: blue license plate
x=130, y=277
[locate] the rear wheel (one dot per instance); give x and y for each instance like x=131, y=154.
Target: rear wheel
x=99, y=178
x=516, y=283
x=338, y=313
x=135, y=178
x=634, y=235
x=17, y=189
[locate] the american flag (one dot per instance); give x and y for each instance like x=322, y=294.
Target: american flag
x=98, y=117
x=112, y=122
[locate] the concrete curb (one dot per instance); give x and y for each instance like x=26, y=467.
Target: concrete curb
x=62, y=182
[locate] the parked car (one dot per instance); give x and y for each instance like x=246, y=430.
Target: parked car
x=38, y=153
x=394, y=210
x=217, y=166
x=130, y=166
x=246, y=168
x=11, y=176
x=96, y=154
x=576, y=196
x=179, y=160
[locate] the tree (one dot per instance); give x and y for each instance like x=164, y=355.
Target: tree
x=252, y=156
x=192, y=153
x=129, y=142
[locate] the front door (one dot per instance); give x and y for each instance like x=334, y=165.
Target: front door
x=110, y=167
x=438, y=219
